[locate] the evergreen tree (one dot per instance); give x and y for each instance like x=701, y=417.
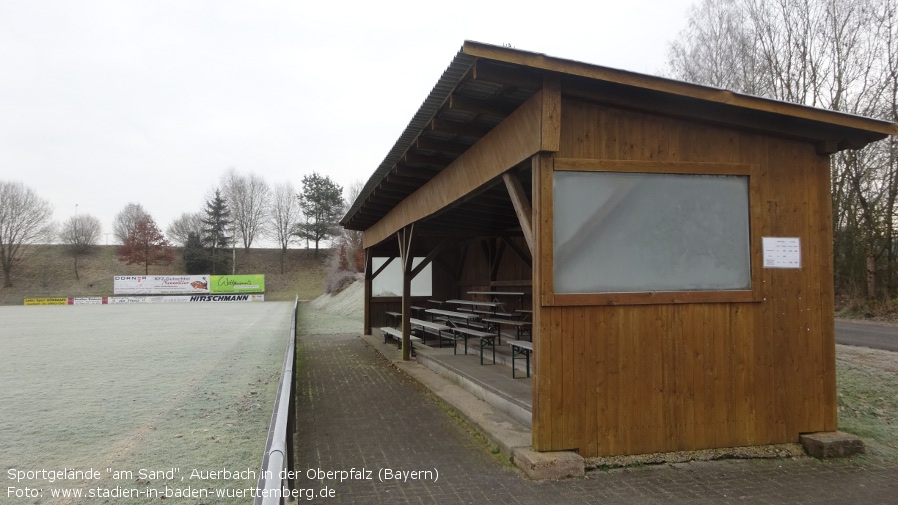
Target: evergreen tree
x=196, y=257
x=321, y=202
x=215, y=231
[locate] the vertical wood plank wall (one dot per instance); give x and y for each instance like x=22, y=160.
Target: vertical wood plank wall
x=645, y=378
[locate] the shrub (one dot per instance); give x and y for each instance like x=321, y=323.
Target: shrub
x=338, y=281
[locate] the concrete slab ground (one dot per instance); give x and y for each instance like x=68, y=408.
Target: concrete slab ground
x=358, y=409
x=498, y=428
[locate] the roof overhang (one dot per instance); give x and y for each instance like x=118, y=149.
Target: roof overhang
x=485, y=84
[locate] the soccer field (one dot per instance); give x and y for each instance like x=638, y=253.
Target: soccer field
x=169, y=399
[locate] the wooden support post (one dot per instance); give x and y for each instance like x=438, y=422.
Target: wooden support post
x=542, y=295
x=496, y=259
x=369, y=279
x=405, y=255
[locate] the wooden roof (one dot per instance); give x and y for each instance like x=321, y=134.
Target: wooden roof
x=485, y=83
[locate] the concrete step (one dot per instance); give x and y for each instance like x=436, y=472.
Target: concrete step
x=491, y=383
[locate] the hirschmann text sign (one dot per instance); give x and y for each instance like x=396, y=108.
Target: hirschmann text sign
x=160, y=284
x=237, y=284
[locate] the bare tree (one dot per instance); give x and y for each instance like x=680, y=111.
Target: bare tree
x=717, y=48
x=247, y=197
x=24, y=220
x=283, y=214
x=126, y=220
x=824, y=53
x=352, y=239
x=180, y=229
x=80, y=233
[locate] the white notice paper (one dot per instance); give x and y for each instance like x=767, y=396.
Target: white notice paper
x=782, y=252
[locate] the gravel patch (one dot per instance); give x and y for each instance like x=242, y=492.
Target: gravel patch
x=754, y=452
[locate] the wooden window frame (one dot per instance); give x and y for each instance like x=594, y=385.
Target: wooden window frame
x=753, y=294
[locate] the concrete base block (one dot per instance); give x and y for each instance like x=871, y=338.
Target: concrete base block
x=831, y=444
x=549, y=465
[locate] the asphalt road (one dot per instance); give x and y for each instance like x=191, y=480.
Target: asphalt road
x=876, y=336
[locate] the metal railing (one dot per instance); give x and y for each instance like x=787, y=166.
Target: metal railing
x=276, y=474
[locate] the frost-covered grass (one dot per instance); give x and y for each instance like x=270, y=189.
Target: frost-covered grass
x=867, y=381
x=338, y=313
x=127, y=388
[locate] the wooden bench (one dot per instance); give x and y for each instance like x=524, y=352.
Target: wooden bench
x=486, y=339
x=518, y=325
x=494, y=306
x=438, y=328
x=452, y=316
x=397, y=335
x=495, y=314
x=519, y=348
x=396, y=317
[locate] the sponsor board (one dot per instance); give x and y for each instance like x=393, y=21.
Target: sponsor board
x=227, y=298
x=186, y=299
x=237, y=284
x=160, y=284
x=93, y=300
x=46, y=301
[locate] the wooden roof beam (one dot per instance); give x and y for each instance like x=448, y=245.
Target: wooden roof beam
x=453, y=149
x=385, y=191
x=437, y=162
x=481, y=107
x=506, y=75
x=409, y=172
x=460, y=129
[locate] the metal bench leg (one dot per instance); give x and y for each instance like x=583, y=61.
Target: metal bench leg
x=514, y=354
x=492, y=343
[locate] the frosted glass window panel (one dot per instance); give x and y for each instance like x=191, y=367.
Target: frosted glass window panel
x=636, y=232
x=389, y=282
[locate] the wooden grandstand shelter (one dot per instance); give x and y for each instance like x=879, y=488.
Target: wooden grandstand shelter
x=674, y=242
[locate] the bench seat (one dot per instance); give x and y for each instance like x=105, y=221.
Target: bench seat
x=397, y=335
x=519, y=326
x=485, y=339
x=436, y=329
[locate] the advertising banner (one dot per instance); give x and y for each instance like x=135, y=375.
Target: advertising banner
x=237, y=284
x=93, y=300
x=160, y=284
x=227, y=298
x=46, y=301
x=186, y=299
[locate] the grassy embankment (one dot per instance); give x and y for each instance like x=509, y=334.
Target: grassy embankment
x=49, y=272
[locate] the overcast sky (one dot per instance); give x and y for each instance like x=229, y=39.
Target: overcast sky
x=103, y=103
